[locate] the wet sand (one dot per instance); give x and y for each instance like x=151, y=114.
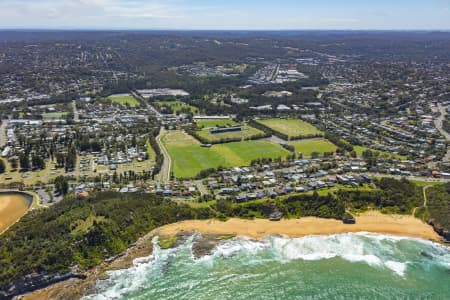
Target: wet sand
x=12, y=207
x=374, y=222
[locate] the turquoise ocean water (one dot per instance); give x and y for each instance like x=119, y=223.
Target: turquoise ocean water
x=344, y=266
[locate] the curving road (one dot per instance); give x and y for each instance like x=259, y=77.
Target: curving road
x=164, y=174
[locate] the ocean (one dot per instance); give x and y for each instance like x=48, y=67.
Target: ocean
x=343, y=266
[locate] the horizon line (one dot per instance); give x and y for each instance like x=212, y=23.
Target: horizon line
x=217, y=30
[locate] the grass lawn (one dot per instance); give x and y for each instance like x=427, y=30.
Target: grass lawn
x=30, y=178
x=215, y=123
x=54, y=115
x=177, y=106
x=360, y=149
x=189, y=158
x=246, y=132
x=306, y=147
x=291, y=127
x=124, y=99
x=151, y=153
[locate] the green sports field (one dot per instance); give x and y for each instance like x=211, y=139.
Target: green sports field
x=124, y=100
x=54, y=115
x=306, y=147
x=189, y=158
x=291, y=127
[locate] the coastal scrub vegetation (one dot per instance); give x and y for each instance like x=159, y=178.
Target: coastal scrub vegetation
x=437, y=211
x=83, y=232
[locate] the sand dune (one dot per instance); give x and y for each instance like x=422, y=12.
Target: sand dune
x=374, y=222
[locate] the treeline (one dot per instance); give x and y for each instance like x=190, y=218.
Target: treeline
x=268, y=130
x=83, y=232
x=204, y=140
x=335, y=139
x=159, y=159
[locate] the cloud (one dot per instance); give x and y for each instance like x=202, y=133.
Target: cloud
x=99, y=10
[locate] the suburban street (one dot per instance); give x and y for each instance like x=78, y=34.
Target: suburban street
x=76, y=115
x=3, y=133
x=438, y=124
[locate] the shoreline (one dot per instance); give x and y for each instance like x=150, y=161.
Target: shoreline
x=372, y=222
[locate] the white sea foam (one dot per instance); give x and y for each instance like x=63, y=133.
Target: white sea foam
x=397, y=267
x=360, y=247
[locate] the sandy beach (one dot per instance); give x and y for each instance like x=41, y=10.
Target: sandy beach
x=12, y=208
x=374, y=222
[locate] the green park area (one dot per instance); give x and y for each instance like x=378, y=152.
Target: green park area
x=292, y=127
x=307, y=147
x=176, y=107
x=54, y=115
x=189, y=158
x=124, y=100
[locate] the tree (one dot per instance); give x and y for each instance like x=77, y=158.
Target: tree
x=24, y=161
x=60, y=160
x=38, y=162
x=14, y=163
x=61, y=185
x=2, y=166
x=71, y=159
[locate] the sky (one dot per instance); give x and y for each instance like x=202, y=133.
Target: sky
x=226, y=14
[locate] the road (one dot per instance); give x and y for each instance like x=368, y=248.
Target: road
x=76, y=115
x=157, y=113
x=164, y=174
x=438, y=124
x=201, y=188
x=3, y=138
